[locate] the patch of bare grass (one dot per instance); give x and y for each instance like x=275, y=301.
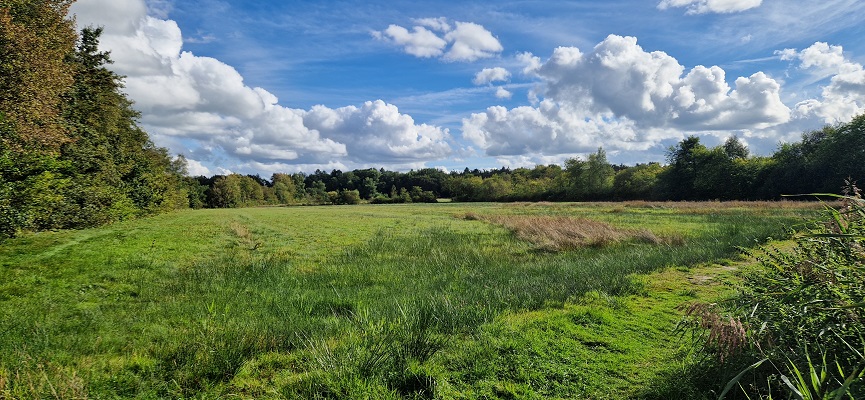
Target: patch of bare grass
x=566, y=233
x=244, y=236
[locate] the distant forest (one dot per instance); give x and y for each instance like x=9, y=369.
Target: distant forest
x=73, y=156
x=820, y=163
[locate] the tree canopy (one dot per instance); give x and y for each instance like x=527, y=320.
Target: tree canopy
x=71, y=152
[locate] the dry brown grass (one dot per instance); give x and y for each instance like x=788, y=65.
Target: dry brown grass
x=712, y=206
x=726, y=335
x=694, y=206
x=565, y=233
x=244, y=236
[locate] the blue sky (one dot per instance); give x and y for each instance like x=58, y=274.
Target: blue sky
x=286, y=86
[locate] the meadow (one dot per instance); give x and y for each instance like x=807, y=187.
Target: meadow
x=448, y=300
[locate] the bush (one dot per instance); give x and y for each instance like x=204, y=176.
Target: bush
x=803, y=311
x=333, y=197
x=419, y=195
x=381, y=199
x=349, y=197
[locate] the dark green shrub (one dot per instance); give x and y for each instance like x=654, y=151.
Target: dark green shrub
x=800, y=315
x=381, y=199
x=419, y=195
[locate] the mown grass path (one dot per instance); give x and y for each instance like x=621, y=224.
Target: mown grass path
x=359, y=301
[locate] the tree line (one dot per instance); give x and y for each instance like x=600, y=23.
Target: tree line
x=72, y=154
x=820, y=163
x=376, y=186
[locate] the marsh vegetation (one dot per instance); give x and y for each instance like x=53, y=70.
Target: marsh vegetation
x=386, y=301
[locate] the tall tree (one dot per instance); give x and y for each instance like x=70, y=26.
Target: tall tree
x=35, y=40
x=734, y=148
x=591, y=179
x=637, y=182
x=284, y=188
x=679, y=177
x=226, y=192
x=71, y=152
x=110, y=151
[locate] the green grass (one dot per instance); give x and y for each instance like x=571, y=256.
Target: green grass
x=357, y=301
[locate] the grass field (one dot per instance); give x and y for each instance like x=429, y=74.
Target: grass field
x=448, y=300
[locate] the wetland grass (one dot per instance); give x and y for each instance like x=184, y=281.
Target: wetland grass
x=399, y=301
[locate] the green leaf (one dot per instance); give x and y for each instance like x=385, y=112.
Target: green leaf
x=839, y=393
x=736, y=379
x=793, y=387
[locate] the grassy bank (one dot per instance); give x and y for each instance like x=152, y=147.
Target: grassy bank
x=360, y=301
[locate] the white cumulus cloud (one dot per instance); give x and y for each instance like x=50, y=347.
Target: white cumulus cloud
x=420, y=42
x=711, y=6
x=531, y=63
x=430, y=37
x=440, y=24
x=503, y=93
x=624, y=98
x=551, y=129
x=653, y=89
x=378, y=131
x=844, y=95
x=195, y=168
x=490, y=75
x=471, y=42
x=204, y=104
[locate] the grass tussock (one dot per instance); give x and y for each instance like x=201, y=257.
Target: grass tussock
x=725, y=336
x=567, y=233
x=41, y=380
x=243, y=235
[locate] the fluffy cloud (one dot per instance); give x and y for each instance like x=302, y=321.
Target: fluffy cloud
x=205, y=104
x=420, y=42
x=711, y=6
x=471, y=42
x=625, y=98
x=503, y=93
x=843, y=97
x=490, y=75
x=440, y=24
x=498, y=74
x=195, y=168
x=549, y=129
x=468, y=41
x=531, y=63
x=378, y=131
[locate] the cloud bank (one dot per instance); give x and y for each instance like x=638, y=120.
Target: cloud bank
x=616, y=94
x=201, y=106
x=623, y=98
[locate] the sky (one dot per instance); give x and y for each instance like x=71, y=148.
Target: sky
x=258, y=87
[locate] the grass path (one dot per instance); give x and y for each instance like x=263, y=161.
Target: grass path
x=598, y=347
